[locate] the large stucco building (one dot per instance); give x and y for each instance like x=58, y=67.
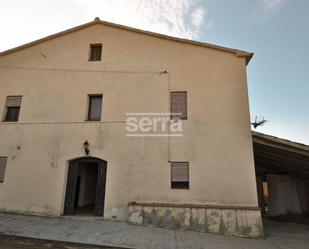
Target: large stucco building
x=78, y=85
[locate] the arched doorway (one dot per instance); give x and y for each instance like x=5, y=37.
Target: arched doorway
x=85, y=191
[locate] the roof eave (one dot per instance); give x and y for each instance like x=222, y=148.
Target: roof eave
x=284, y=142
x=239, y=53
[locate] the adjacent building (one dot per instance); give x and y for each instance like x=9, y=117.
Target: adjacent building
x=282, y=172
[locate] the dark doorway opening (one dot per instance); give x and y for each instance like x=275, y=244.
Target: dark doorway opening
x=85, y=192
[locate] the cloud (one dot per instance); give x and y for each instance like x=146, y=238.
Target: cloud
x=183, y=18
x=19, y=20
x=198, y=17
x=265, y=10
x=272, y=5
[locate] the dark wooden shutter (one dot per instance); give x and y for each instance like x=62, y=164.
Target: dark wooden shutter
x=95, y=52
x=95, y=108
x=3, y=161
x=71, y=189
x=100, y=195
x=179, y=105
x=180, y=174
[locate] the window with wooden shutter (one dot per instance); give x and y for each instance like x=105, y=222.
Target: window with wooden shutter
x=95, y=52
x=2, y=168
x=180, y=175
x=95, y=107
x=179, y=105
x=13, y=104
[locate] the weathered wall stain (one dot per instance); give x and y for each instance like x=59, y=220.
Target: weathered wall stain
x=244, y=223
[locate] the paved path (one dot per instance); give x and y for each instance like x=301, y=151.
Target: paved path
x=119, y=234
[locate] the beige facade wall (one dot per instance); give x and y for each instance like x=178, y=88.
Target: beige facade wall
x=55, y=77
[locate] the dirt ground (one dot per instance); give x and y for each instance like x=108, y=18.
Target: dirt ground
x=12, y=242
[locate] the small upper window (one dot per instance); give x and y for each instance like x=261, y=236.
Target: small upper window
x=2, y=168
x=95, y=52
x=95, y=107
x=12, y=108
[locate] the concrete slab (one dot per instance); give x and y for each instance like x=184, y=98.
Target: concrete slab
x=119, y=234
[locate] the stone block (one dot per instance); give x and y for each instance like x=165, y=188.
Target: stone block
x=198, y=219
x=213, y=217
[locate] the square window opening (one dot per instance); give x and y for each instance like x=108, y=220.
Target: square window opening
x=3, y=161
x=178, y=104
x=180, y=175
x=95, y=107
x=95, y=52
x=12, y=108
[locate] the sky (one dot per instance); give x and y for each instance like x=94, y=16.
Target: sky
x=277, y=31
